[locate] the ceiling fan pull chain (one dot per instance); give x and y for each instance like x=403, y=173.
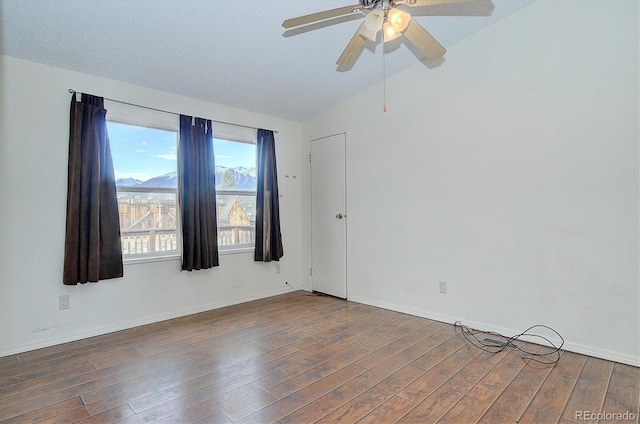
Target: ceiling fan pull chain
x=384, y=79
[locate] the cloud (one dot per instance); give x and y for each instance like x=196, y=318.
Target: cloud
x=140, y=151
x=167, y=156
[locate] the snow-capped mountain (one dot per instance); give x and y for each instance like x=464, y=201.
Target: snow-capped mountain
x=239, y=178
x=169, y=180
x=128, y=182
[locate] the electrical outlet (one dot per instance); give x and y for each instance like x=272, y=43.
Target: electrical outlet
x=277, y=268
x=443, y=287
x=63, y=301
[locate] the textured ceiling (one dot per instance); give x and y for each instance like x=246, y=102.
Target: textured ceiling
x=234, y=53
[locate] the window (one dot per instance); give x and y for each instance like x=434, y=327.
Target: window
x=236, y=192
x=145, y=165
x=144, y=145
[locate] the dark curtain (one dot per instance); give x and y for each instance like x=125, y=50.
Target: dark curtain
x=197, y=193
x=268, y=237
x=92, y=248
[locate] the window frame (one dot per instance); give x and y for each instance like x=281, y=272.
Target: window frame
x=128, y=114
x=125, y=114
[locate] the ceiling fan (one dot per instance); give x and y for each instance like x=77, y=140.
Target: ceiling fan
x=384, y=15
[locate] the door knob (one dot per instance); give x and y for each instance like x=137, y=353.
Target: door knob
x=339, y=215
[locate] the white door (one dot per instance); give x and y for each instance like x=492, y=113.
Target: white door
x=328, y=216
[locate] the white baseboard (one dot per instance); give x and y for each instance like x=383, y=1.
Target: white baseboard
x=72, y=337
x=568, y=346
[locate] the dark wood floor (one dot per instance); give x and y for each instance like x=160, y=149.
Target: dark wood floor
x=304, y=359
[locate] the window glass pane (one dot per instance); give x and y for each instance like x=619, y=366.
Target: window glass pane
x=236, y=219
x=147, y=222
x=144, y=157
x=235, y=165
x=145, y=160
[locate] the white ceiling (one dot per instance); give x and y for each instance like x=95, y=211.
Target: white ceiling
x=234, y=53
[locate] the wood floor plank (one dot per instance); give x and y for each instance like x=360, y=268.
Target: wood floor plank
x=334, y=399
x=314, y=374
x=45, y=412
x=122, y=356
x=68, y=416
x=197, y=404
x=501, y=375
x=371, y=339
x=313, y=337
x=80, y=383
x=374, y=358
x=389, y=412
x=440, y=372
x=438, y=398
x=470, y=408
x=445, y=342
x=342, y=353
x=165, y=380
x=22, y=373
x=8, y=362
x=108, y=416
x=434, y=406
x=589, y=392
x=302, y=329
x=362, y=404
x=216, y=380
x=297, y=400
x=623, y=393
x=146, y=351
x=409, y=327
x=131, y=419
x=546, y=407
x=77, y=388
x=299, y=358
x=33, y=382
x=565, y=373
x=515, y=398
x=238, y=410
x=263, y=370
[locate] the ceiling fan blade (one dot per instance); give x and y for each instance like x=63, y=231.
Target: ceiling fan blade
x=423, y=41
x=353, y=49
x=314, y=17
x=413, y=3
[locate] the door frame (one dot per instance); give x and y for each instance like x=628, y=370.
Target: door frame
x=346, y=207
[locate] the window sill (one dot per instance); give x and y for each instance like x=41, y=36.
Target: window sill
x=166, y=258
x=147, y=259
x=233, y=251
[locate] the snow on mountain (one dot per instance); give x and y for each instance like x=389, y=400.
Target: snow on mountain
x=169, y=180
x=128, y=182
x=245, y=179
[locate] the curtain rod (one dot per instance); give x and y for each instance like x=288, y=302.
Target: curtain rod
x=72, y=91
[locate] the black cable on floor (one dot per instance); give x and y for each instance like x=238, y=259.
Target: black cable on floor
x=496, y=342
x=304, y=292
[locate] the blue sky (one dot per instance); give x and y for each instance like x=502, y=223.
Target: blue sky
x=143, y=153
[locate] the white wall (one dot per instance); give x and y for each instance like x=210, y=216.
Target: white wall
x=510, y=172
x=34, y=121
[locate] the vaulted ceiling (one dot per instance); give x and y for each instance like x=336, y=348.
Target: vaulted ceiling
x=234, y=52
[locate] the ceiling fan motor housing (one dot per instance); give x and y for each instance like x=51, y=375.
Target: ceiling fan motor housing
x=370, y=3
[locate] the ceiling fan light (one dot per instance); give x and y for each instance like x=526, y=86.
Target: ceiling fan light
x=389, y=32
x=398, y=19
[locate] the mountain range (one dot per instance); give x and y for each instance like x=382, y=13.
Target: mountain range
x=244, y=179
